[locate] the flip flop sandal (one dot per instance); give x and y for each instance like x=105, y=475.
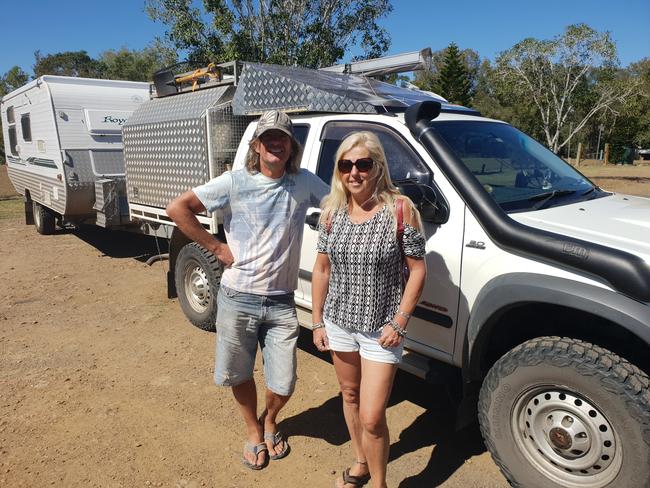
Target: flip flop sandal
x=254, y=449
x=277, y=439
x=349, y=479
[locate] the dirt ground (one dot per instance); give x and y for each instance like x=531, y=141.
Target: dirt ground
x=103, y=383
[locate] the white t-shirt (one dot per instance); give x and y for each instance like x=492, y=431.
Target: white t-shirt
x=263, y=219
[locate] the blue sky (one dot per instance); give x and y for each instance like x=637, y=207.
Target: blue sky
x=488, y=27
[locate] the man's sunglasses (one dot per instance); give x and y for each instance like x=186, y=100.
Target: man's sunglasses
x=363, y=165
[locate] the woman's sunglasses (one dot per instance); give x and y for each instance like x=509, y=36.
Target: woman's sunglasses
x=363, y=165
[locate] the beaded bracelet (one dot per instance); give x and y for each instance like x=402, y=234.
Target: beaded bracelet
x=404, y=314
x=395, y=326
x=318, y=325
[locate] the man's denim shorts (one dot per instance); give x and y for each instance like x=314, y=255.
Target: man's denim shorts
x=243, y=321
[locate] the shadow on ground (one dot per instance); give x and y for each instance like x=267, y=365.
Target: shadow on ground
x=120, y=244
x=435, y=427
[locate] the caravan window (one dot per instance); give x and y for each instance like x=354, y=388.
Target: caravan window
x=12, y=140
x=11, y=119
x=26, y=126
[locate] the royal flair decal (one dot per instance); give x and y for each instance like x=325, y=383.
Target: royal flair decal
x=105, y=121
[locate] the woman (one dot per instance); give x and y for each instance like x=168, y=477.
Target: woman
x=361, y=307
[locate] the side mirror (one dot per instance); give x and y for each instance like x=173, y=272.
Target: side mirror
x=312, y=220
x=432, y=207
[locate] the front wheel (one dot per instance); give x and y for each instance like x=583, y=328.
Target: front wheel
x=562, y=413
x=197, y=277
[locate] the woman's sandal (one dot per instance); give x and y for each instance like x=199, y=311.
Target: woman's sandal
x=350, y=479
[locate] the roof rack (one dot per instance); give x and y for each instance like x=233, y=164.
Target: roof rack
x=397, y=63
x=167, y=83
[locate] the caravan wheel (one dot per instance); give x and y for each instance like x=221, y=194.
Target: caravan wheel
x=198, y=275
x=44, y=219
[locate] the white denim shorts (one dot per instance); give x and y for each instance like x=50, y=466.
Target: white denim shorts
x=342, y=339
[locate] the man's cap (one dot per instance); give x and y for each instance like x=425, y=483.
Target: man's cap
x=274, y=119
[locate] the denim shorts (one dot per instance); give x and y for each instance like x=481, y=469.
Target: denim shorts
x=243, y=321
x=342, y=339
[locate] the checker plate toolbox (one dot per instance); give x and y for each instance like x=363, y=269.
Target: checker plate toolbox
x=174, y=143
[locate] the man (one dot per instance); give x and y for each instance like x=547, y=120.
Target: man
x=263, y=208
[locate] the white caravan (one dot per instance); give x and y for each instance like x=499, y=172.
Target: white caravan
x=63, y=140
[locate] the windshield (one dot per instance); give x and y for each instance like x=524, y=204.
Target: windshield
x=519, y=173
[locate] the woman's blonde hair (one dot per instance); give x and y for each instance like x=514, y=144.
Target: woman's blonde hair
x=385, y=191
x=253, y=157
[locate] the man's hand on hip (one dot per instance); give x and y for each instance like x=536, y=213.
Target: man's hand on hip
x=222, y=251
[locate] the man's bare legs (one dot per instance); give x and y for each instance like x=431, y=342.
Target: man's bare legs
x=268, y=419
x=246, y=397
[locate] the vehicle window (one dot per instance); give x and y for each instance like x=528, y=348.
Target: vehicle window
x=403, y=162
x=517, y=171
x=11, y=118
x=301, y=131
x=12, y=140
x=26, y=127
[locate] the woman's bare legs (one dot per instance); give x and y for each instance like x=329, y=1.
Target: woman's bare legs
x=365, y=387
x=348, y=371
x=376, y=385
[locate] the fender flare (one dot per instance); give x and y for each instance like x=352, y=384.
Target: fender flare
x=514, y=289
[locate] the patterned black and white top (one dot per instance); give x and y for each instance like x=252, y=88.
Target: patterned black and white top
x=365, y=286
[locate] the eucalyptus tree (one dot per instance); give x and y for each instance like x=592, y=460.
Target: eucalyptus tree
x=572, y=77
x=311, y=33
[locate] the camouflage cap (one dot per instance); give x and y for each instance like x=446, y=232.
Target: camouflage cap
x=274, y=119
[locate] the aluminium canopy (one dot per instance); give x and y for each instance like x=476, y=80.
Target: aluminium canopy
x=264, y=87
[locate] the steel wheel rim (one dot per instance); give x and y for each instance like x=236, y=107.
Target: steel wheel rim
x=566, y=437
x=197, y=288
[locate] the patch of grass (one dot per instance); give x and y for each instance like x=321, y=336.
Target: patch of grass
x=12, y=208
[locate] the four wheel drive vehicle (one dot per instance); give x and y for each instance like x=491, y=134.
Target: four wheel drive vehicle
x=538, y=287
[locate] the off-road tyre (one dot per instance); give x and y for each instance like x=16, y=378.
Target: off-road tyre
x=197, y=278
x=562, y=413
x=44, y=219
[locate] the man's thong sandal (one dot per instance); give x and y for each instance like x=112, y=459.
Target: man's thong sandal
x=255, y=449
x=350, y=479
x=276, y=439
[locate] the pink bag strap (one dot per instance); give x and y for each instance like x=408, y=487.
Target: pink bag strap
x=328, y=224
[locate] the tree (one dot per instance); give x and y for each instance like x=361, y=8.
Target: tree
x=493, y=99
x=552, y=73
x=307, y=33
x=454, y=80
x=69, y=63
x=452, y=62
x=124, y=64
x=12, y=79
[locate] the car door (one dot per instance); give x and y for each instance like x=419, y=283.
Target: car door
x=432, y=327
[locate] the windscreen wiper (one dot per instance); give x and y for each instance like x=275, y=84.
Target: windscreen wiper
x=546, y=197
